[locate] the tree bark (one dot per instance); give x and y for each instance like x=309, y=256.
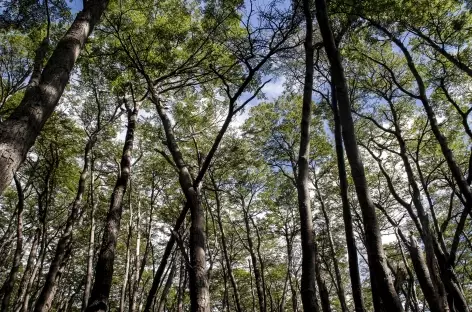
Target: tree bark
x=20, y=130
x=324, y=293
x=46, y=296
x=91, y=247
x=199, y=289
x=165, y=291
x=7, y=288
x=424, y=277
x=347, y=217
x=308, y=278
x=377, y=264
x=104, y=268
x=254, y=262
x=165, y=257
x=337, y=272
x=237, y=299
x=28, y=270
x=124, y=285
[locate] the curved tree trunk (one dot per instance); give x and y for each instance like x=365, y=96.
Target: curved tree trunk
x=377, y=264
x=104, y=268
x=7, y=288
x=308, y=279
x=347, y=217
x=20, y=130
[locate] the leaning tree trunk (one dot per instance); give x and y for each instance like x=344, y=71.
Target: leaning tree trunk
x=446, y=266
x=199, y=288
x=237, y=297
x=167, y=286
x=7, y=288
x=257, y=272
x=20, y=130
x=91, y=246
x=28, y=270
x=339, y=287
x=375, y=252
x=104, y=268
x=347, y=217
x=308, y=278
x=165, y=257
x=46, y=296
x=124, y=285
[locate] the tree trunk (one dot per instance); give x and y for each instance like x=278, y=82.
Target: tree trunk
x=7, y=288
x=166, y=289
x=255, y=267
x=424, y=278
x=20, y=130
x=337, y=272
x=43, y=304
x=136, y=276
x=347, y=217
x=446, y=266
x=104, y=268
x=377, y=264
x=324, y=293
x=199, y=292
x=308, y=278
x=165, y=257
x=28, y=270
x=124, y=285
x=91, y=247
x=237, y=299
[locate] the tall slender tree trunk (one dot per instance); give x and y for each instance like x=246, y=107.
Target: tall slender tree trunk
x=448, y=265
x=91, y=246
x=347, y=217
x=199, y=289
x=28, y=270
x=32, y=266
x=424, y=277
x=377, y=264
x=7, y=288
x=165, y=257
x=136, y=276
x=20, y=130
x=293, y=289
x=104, y=268
x=254, y=262
x=229, y=268
x=337, y=271
x=124, y=285
x=308, y=279
x=46, y=296
x=324, y=293
x=165, y=291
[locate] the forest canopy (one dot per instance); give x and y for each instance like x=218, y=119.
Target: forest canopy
x=256, y=155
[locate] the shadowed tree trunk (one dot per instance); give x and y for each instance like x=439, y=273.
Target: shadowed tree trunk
x=7, y=288
x=104, y=268
x=308, y=278
x=46, y=296
x=20, y=130
x=237, y=299
x=165, y=257
x=167, y=286
x=91, y=246
x=28, y=270
x=339, y=283
x=347, y=217
x=377, y=264
x=446, y=266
